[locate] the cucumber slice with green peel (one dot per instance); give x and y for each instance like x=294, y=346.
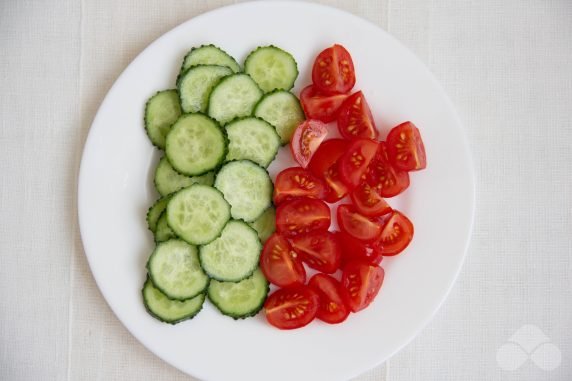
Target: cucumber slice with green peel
x=161, y=111
x=209, y=55
x=198, y=214
x=233, y=97
x=242, y=299
x=163, y=231
x=271, y=68
x=174, y=269
x=170, y=311
x=265, y=225
x=155, y=211
x=253, y=139
x=195, y=145
x=196, y=84
x=282, y=110
x=168, y=181
x=247, y=188
x=234, y=255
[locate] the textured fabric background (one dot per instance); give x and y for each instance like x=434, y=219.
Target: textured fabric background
x=507, y=65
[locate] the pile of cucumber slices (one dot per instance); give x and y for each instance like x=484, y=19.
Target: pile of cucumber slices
x=219, y=130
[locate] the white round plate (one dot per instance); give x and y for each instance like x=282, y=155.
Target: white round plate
x=115, y=190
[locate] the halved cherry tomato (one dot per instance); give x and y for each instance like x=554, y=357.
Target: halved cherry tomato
x=405, y=147
x=291, y=307
x=332, y=308
x=320, y=250
x=321, y=106
x=333, y=71
x=362, y=282
x=302, y=215
x=354, y=162
x=396, y=234
x=280, y=264
x=356, y=224
x=353, y=249
x=355, y=119
x=324, y=165
x=297, y=182
x=387, y=180
x=368, y=202
x=306, y=140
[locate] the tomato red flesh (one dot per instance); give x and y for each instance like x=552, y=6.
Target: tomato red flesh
x=324, y=165
x=320, y=250
x=333, y=71
x=368, y=202
x=320, y=106
x=355, y=161
x=355, y=249
x=332, y=308
x=280, y=264
x=405, y=148
x=362, y=282
x=292, y=307
x=301, y=216
x=357, y=225
x=297, y=182
x=306, y=140
x=396, y=234
x=387, y=180
x=355, y=119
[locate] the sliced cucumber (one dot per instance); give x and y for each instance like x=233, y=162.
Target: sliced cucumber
x=155, y=212
x=234, y=255
x=265, y=225
x=209, y=55
x=163, y=232
x=271, y=68
x=247, y=188
x=242, y=299
x=233, y=97
x=253, y=139
x=195, y=86
x=167, y=310
x=195, y=145
x=198, y=214
x=161, y=111
x=282, y=110
x=175, y=270
x=168, y=181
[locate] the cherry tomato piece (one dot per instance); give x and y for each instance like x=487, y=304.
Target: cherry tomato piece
x=291, y=307
x=405, y=148
x=357, y=225
x=368, y=202
x=332, y=308
x=320, y=250
x=355, y=119
x=280, y=264
x=396, y=233
x=301, y=216
x=333, y=71
x=362, y=282
x=353, y=249
x=387, y=180
x=320, y=106
x=324, y=165
x=306, y=140
x=297, y=182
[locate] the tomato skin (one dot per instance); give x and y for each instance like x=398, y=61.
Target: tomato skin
x=320, y=250
x=396, y=234
x=387, y=180
x=368, y=202
x=355, y=119
x=355, y=161
x=357, y=225
x=291, y=307
x=333, y=71
x=320, y=106
x=332, y=307
x=355, y=249
x=280, y=264
x=405, y=148
x=301, y=216
x=324, y=165
x=306, y=140
x=297, y=182
x=362, y=282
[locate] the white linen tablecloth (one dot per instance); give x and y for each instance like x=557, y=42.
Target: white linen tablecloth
x=507, y=66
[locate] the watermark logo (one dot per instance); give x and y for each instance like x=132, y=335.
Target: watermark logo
x=529, y=342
